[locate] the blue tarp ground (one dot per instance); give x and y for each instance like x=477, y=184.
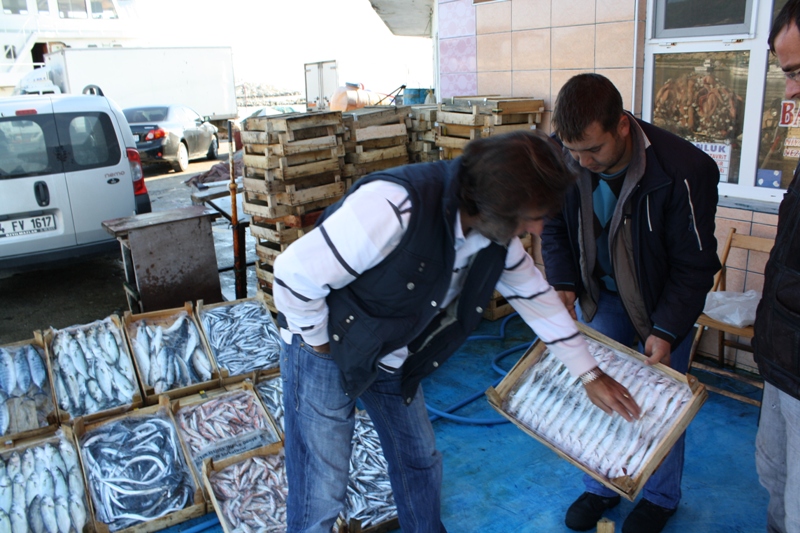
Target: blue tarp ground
x=499, y=479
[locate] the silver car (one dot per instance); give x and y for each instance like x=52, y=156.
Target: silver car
x=67, y=163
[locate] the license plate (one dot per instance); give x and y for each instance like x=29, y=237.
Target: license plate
x=27, y=226
x=136, y=138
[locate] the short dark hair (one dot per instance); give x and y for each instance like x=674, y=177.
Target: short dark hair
x=584, y=99
x=503, y=175
x=789, y=14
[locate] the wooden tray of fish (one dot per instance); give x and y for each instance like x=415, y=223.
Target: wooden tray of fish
x=269, y=387
x=242, y=336
x=27, y=407
x=91, y=370
x=171, y=354
x=248, y=491
x=137, y=472
x=545, y=401
x=223, y=423
x=42, y=487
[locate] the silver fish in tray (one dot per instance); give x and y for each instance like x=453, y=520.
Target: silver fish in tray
x=172, y=357
x=91, y=369
x=243, y=337
x=25, y=399
x=135, y=470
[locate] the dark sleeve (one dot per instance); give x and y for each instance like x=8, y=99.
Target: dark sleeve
x=561, y=267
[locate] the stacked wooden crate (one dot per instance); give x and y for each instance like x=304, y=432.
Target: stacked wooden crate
x=421, y=125
x=375, y=139
x=464, y=118
x=293, y=170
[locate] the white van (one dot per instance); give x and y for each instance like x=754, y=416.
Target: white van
x=67, y=163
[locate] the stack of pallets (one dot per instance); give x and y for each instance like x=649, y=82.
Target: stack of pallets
x=375, y=139
x=464, y=118
x=421, y=125
x=293, y=170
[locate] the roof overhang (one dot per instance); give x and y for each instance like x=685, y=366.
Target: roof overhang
x=408, y=18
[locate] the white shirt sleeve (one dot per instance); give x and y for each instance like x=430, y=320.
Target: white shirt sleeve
x=356, y=237
x=525, y=288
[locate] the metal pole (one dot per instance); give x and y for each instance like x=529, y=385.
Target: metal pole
x=239, y=255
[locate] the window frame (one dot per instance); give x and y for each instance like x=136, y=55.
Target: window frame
x=743, y=29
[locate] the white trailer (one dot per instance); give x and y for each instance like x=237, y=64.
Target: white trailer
x=198, y=77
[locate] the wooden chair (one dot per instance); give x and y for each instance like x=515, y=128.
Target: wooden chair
x=704, y=322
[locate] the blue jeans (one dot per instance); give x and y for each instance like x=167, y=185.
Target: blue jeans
x=319, y=422
x=777, y=452
x=664, y=486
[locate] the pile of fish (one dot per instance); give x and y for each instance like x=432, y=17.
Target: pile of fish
x=553, y=404
x=92, y=369
x=226, y=425
x=271, y=393
x=136, y=470
x=25, y=399
x=243, y=337
x=172, y=357
x=252, y=494
x=41, y=489
x=369, y=493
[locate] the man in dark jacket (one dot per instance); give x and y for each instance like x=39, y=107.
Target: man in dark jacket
x=634, y=248
x=777, y=327
x=386, y=288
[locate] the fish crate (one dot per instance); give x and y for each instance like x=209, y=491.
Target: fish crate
x=144, y=347
x=30, y=413
x=269, y=463
x=195, y=504
x=201, y=441
x=124, y=369
x=421, y=126
x=241, y=335
x=376, y=138
x=68, y=502
x=269, y=388
x=540, y=397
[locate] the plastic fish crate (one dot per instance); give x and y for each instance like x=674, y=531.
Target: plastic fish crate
x=625, y=485
x=165, y=318
x=234, y=447
x=198, y=505
x=53, y=438
x=53, y=421
x=210, y=467
x=226, y=377
x=63, y=416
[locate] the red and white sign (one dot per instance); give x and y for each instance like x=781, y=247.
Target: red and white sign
x=719, y=152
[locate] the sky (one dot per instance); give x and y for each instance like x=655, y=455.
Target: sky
x=273, y=39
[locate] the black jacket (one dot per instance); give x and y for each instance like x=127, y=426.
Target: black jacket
x=667, y=220
x=398, y=302
x=777, y=328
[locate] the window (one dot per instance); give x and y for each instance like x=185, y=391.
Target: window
x=15, y=7
x=9, y=51
x=103, y=9
x=72, y=9
x=90, y=141
x=43, y=7
x=28, y=147
x=692, y=18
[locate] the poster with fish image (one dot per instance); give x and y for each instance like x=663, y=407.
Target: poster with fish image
x=542, y=398
x=170, y=352
x=137, y=473
x=242, y=336
x=91, y=370
x=27, y=408
x=223, y=423
x=259, y=504
x=42, y=486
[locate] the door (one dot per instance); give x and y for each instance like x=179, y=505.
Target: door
x=35, y=209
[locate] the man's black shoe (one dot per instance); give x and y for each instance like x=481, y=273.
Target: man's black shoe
x=647, y=517
x=584, y=513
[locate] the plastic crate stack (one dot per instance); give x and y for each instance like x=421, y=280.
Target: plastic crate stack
x=421, y=126
x=294, y=166
x=375, y=138
x=464, y=118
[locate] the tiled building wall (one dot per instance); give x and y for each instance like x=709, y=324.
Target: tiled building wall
x=531, y=48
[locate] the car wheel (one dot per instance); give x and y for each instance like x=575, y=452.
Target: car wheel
x=183, y=159
x=213, y=150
